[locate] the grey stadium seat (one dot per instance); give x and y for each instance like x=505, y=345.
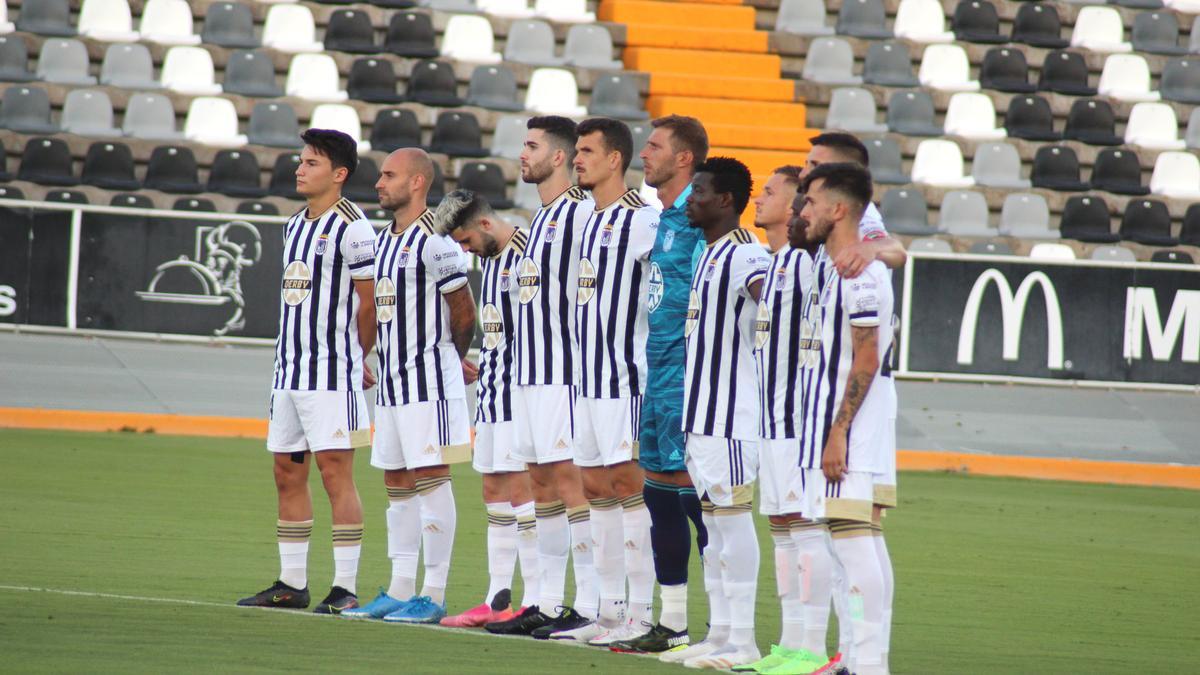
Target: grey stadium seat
x=889, y=63
x=151, y=117
x=929, y=245
x=886, y=164
x=494, y=87
x=830, y=61
x=1181, y=81
x=998, y=165
x=802, y=17
x=1193, y=130
x=230, y=25
x=88, y=112
x=616, y=95
x=1026, y=216
x=853, y=109
x=46, y=17
x=26, y=110
x=1113, y=254
x=531, y=42
x=905, y=212
x=508, y=139
x=641, y=134
x=911, y=113
x=863, y=19
x=251, y=72
x=590, y=46
x=64, y=61
x=964, y=213
x=990, y=248
x=451, y=5
x=128, y=66
x=14, y=59
x=274, y=123
x=1156, y=33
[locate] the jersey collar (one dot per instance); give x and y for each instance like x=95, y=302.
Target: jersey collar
x=681, y=200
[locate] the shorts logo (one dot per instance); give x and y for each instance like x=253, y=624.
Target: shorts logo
x=339, y=434
x=625, y=445
x=668, y=240
x=505, y=279
x=297, y=282
x=322, y=243
x=587, y=282
x=792, y=496
x=493, y=326
x=529, y=279
x=693, y=314
x=551, y=230
x=430, y=450
x=762, y=326
x=655, y=294
x=560, y=445
x=385, y=300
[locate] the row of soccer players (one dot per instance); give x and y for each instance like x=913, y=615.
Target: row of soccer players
x=624, y=340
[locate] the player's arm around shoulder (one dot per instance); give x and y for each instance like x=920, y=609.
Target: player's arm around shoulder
x=875, y=244
x=750, y=263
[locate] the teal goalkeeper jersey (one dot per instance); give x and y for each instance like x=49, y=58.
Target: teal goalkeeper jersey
x=676, y=250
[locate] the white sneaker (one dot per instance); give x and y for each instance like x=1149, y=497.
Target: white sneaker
x=625, y=631
x=583, y=633
x=698, y=649
x=726, y=657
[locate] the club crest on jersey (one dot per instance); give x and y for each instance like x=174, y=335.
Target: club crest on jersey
x=551, y=230
x=297, y=282
x=668, y=240
x=385, y=300
x=781, y=278
x=693, y=313
x=402, y=259
x=654, y=294
x=505, y=279
x=762, y=326
x=493, y=326
x=529, y=279
x=711, y=270
x=606, y=235
x=322, y=244
x=587, y=282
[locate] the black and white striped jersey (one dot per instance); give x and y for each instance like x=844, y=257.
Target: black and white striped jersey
x=413, y=270
x=318, y=347
x=549, y=278
x=498, y=315
x=612, y=317
x=720, y=383
x=777, y=340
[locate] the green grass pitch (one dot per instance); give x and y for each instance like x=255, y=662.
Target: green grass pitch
x=993, y=575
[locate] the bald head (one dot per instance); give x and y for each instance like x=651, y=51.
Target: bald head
x=404, y=179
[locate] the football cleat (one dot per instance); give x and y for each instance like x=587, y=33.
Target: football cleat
x=280, y=596
x=691, y=651
x=472, y=618
x=788, y=660
x=582, y=633
x=626, y=631
x=725, y=657
x=381, y=606
x=524, y=623
x=657, y=640
x=567, y=620
x=338, y=600
x=420, y=609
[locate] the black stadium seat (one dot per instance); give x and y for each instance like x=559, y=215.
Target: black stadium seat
x=235, y=173
x=977, y=21
x=131, y=201
x=67, y=197
x=1189, y=234
x=5, y=175
x=256, y=208
x=1056, y=167
x=1118, y=171
x=1005, y=69
x=173, y=169
x=1172, y=256
x=433, y=83
x=1085, y=218
x=395, y=128
x=283, y=176
x=1091, y=121
x=411, y=34
x=1037, y=24
x=47, y=161
x=437, y=188
x=1031, y=118
x=350, y=30
x=110, y=166
x=1147, y=221
x=457, y=133
x=194, y=204
x=373, y=80
x=1065, y=72
x=361, y=186
x=487, y=179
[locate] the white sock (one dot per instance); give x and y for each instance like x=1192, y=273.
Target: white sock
x=293, y=537
x=501, y=546
x=889, y=591
x=554, y=545
x=583, y=561
x=639, y=558
x=788, y=586
x=609, y=534
x=347, y=546
x=840, y=590
x=864, y=601
x=739, y=573
x=674, y=606
x=814, y=568
x=718, y=604
x=404, y=541
x=438, y=521
x=531, y=568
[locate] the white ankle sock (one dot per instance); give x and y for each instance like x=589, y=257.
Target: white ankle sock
x=404, y=542
x=438, y=521
x=554, y=545
x=674, y=606
x=788, y=587
x=293, y=537
x=531, y=568
x=814, y=569
x=501, y=547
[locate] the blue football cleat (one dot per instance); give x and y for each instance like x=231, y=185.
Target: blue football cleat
x=381, y=606
x=418, y=610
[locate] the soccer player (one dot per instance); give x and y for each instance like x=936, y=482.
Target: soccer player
x=426, y=319
x=721, y=408
x=849, y=406
x=773, y=206
x=467, y=218
x=326, y=325
x=545, y=367
x=676, y=146
x=611, y=327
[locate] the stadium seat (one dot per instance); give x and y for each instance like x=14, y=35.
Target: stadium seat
x=929, y=245
x=109, y=166
x=256, y=208
x=1189, y=234
x=361, y=186
x=104, y=20
x=194, y=204
x=1056, y=167
x=1046, y=250
x=235, y=173
x=1140, y=4
x=1176, y=175
x=46, y=17
x=283, y=176
x=450, y=5
x=802, y=17
x=26, y=110
x=395, y=128
x=168, y=22
x=1147, y=221
x=889, y=64
x=1065, y=72
x=189, y=70
x=905, y=212
x=1085, y=218
x=1118, y=171
x=1153, y=126
x=1091, y=121
x=531, y=42
x=486, y=179
x=911, y=113
x=1181, y=80
x=1005, y=69
x=590, y=46
x=67, y=197
x=469, y=38
x=972, y=115
x=433, y=83
x=526, y=196
x=990, y=248
x=885, y=162
x=131, y=201
x=977, y=21
x=493, y=87
x=945, y=67
x=921, y=21
x=853, y=109
x=616, y=95
x=128, y=66
x=350, y=30
x=273, y=124
x=1192, y=137
x=564, y=11
x=1126, y=77
x=641, y=133
x=314, y=77
x=1099, y=29
x=14, y=59
x=507, y=9
x=251, y=72
x=173, y=169
x=47, y=161
x=964, y=213
x=411, y=34
x=1183, y=6
x=88, y=112
x=1172, y=256
x=5, y=174
x=863, y=19
x=458, y=134
x=290, y=28
x=830, y=60
x=508, y=138
x=437, y=187
x=231, y=25
x=1194, y=37
x=1030, y=118
x=341, y=117
x=552, y=91
x=1113, y=254
x=940, y=163
x=372, y=80
x=998, y=165
x=1026, y=216
x=1156, y=33
x=151, y=117
x=64, y=61
x=1037, y=24
x=213, y=121
x=6, y=26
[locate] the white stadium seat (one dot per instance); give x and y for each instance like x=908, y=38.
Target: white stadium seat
x=341, y=117
x=940, y=162
x=1184, y=6
x=973, y=116
x=1176, y=175
x=315, y=77
x=1099, y=29
x=107, y=20
x=189, y=70
x=922, y=21
x=1048, y=250
x=469, y=38
x=168, y=22
x=566, y=11
x=553, y=91
x=508, y=9
x=213, y=121
x=945, y=67
x=1126, y=77
x=290, y=28
x=1153, y=126
x=6, y=26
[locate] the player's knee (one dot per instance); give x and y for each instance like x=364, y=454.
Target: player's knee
x=431, y=471
x=495, y=488
x=290, y=476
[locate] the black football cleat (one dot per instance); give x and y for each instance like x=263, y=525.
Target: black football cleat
x=567, y=619
x=339, y=599
x=522, y=624
x=657, y=640
x=279, y=596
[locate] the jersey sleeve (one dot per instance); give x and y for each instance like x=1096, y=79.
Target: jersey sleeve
x=862, y=296
x=643, y=232
x=750, y=263
x=446, y=262
x=871, y=226
x=358, y=249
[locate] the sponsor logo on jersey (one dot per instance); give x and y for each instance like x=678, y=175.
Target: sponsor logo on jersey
x=385, y=300
x=493, y=326
x=529, y=279
x=587, y=282
x=655, y=293
x=297, y=282
x=693, y=313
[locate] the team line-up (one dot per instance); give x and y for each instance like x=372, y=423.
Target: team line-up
x=640, y=370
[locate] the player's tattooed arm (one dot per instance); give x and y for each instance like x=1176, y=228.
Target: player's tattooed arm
x=462, y=318
x=862, y=373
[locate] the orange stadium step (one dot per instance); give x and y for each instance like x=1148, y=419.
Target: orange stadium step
x=699, y=15
x=724, y=111
x=715, y=39
x=736, y=88
x=760, y=162
x=731, y=64
x=760, y=137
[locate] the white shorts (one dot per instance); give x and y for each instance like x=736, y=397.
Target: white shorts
x=722, y=468
x=606, y=430
x=780, y=478
x=545, y=418
x=317, y=420
x=495, y=443
x=418, y=435
x=851, y=499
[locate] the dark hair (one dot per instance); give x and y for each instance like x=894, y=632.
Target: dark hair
x=459, y=209
x=847, y=178
x=561, y=131
x=730, y=176
x=790, y=172
x=847, y=144
x=615, y=135
x=341, y=150
x=687, y=133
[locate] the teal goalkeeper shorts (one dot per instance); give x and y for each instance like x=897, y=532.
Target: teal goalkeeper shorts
x=661, y=440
